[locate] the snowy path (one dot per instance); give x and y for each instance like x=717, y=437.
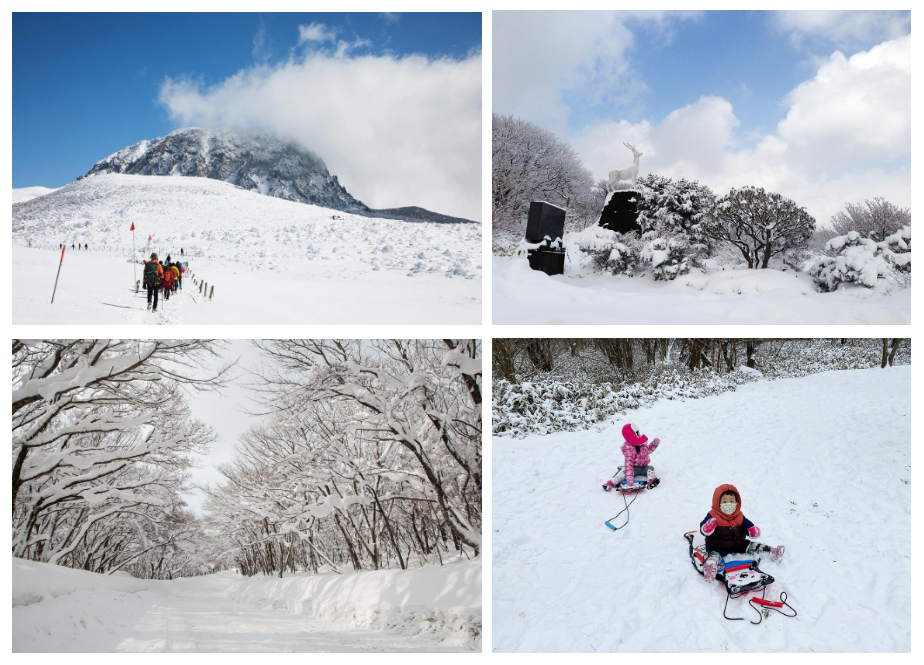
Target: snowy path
x=823, y=464
x=97, y=287
x=188, y=615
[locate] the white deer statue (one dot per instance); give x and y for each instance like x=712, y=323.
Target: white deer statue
x=628, y=173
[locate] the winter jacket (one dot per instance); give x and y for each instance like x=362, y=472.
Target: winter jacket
x=148, y=272
x=727, y=533
x=636, y=450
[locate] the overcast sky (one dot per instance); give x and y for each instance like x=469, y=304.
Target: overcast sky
x=814, y=105
x=226, y=412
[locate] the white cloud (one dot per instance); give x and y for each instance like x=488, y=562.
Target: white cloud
x=316, y=32
x=544, y=62
x=846, y=137
x=842, y=28
x=396, y=131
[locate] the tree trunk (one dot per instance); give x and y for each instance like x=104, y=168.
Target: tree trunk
x=885, y=352
x=895, y=342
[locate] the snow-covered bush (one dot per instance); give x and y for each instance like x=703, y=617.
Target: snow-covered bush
x=858, y=261
x=668, y=257
x=598, y=250
x=896, y=249
x=543, y=407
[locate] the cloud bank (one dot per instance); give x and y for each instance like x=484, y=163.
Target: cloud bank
x=397, y=131
x=846, y=137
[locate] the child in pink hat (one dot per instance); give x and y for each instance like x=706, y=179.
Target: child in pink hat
x=636, y=451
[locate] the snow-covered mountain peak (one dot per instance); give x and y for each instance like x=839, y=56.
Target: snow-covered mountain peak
x=254, y=160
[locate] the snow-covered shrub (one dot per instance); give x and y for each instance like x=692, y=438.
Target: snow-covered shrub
x=858, y=261
x=896, y=249
x=668, y=257
x=600, y=250
x=543, y=407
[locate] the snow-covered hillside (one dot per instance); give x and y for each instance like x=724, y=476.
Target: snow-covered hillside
x=427, y=609
x=823, y=465
x=23, y=194
x=521, y=295
x=271, y=261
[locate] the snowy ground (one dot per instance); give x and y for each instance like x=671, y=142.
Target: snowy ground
x=823, y=465
x=521, y=295
x=271, y=261
x=430, y=609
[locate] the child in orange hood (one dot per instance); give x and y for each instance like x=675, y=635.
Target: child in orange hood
x=726, y=530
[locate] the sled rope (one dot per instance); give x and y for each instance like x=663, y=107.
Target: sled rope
x=624, y=510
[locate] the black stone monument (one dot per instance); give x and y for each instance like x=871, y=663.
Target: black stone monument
x=546, y=221
x=620, y=214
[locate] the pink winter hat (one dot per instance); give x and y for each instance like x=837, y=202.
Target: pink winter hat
x=633, y=439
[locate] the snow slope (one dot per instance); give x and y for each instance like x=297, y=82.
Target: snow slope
x=271, y=261
x=823, y=465
x=23, y=194
x=434, y=609
x=521, y=295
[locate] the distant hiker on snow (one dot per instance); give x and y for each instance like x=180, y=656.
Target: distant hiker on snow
x=153, y=272
x=636, y=451
x=726, y=530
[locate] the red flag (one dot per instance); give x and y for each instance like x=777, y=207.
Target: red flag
x=149, y=238
x=133, y=227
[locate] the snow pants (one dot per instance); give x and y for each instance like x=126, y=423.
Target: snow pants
x=646, y=471
x=152, y=290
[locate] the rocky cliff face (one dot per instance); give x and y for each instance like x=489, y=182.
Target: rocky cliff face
x=254, y=161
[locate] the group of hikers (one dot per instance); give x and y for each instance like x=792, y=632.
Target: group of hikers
x=73, y=246
x=162, y=275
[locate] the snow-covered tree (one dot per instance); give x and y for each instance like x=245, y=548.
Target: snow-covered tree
x=874, y=219
x=530, y=163
x=759, y=224
x=858, y=261
x=372, y=458
x=101, y=443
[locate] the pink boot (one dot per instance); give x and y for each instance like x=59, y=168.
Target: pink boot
x=609, y=485
x=711, y=567
x=776, y=553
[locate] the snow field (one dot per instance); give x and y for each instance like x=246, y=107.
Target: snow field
x=315, y=265
x=65, y=610
x=823, y=465
x=522, y=295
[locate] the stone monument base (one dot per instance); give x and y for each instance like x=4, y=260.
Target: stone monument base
x=549, y=261
x=620, y=213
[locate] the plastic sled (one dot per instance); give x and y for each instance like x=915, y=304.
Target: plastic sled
x=741, y=574
x=641, y=480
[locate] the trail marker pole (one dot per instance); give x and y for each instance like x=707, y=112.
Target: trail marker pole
x=134, y=257
x=58, y=275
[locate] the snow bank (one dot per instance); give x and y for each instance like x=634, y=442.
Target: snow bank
x=442, y=603
x=34, y=582
x=65, y=610
x=23, y=194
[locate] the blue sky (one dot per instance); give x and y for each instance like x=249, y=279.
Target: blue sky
x=86, y=85
x=785, y=100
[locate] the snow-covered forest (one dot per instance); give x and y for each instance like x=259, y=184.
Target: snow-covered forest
x=696, y=244
x=567, y=384
x=366, y=461
x=814, y=434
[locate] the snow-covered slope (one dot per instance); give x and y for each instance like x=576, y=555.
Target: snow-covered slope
x=428, y=609
x=823, y=465
x=23, y=194
x=521, y=295
x=296, y=263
